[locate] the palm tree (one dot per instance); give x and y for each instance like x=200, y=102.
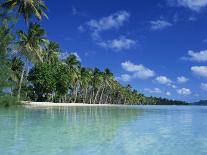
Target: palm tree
x=107, y=82
x=72, y=62
x=51, y=53
x=6, y=38
x=31, y=43
x=74, y=69
x=96, y=83
x=16, y=67
x=30, y=46
x=27, y=8
x=126, y=92
x=85, y=75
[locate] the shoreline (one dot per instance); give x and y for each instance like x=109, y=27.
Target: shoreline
x=51, y=104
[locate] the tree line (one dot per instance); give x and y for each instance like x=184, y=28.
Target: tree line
x=31, y=67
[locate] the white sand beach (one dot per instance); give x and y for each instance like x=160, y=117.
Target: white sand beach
x=51, y=104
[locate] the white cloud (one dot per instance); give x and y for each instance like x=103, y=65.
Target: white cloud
x=164, y=80
x=113, y=21
x=168, y=93
x=204, y=86
x=184, y=91
x=199, y=70
x=173, y=86
x=182, y=79
x=122, y=43
x=124, y=77
x=154, y=90
x=196, y=56
x=139, y=71
x=160, y=24
x=195, y=5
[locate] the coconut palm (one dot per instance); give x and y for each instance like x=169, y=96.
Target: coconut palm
x=31, y=43
x=51, y=53
x=96, y=83
x=72, y=62
x=107, y=82
x=27, y=8
x=74, y=69
x=85, y=75
x=30, y=46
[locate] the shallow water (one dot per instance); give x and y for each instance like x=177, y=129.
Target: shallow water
x=137, y=130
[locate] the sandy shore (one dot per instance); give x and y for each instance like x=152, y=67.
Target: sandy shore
x=51, y=104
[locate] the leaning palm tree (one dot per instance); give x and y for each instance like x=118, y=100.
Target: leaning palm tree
x=97, y=82
x=85, y=75
x=107, y=82
x=30, y=47
x=30, y=43
x=27, y=8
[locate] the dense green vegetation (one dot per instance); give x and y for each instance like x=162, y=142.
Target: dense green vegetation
x=31, y=68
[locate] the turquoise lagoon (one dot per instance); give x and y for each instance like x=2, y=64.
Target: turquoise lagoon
x=121, y=130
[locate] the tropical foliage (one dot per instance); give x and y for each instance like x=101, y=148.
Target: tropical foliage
x=31, y=67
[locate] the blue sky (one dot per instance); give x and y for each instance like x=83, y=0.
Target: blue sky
x=157, y=46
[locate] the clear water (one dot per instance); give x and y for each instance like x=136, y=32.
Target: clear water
x=138, y=130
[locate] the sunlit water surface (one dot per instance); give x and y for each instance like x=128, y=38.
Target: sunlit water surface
x=136, y=130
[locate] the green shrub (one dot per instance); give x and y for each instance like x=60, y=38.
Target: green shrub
x=7, y=101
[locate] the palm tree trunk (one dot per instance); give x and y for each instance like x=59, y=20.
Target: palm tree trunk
x=96, y=95
x=85, y=95
x=20, y=84
x=106, y=100
x=101, y=96
x=125, y=100
x=91, y=97
x=76, y=95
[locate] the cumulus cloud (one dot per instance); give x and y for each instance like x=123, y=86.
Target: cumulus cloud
x=195, y=5
x=159, y=24
x=124, y=77
x=182, y=79
x=139, y=71
x=122, y=43
x=164, y=80
x=204, y=86
x=168, y=93
x=154, y=90
x=196, y=56
x=184, y=91
x=199, y=70
x=113, y=21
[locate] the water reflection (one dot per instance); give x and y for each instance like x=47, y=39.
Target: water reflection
x=70, y=128
x=104, y=130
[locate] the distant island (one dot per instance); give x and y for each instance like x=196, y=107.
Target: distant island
x=201, y=102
